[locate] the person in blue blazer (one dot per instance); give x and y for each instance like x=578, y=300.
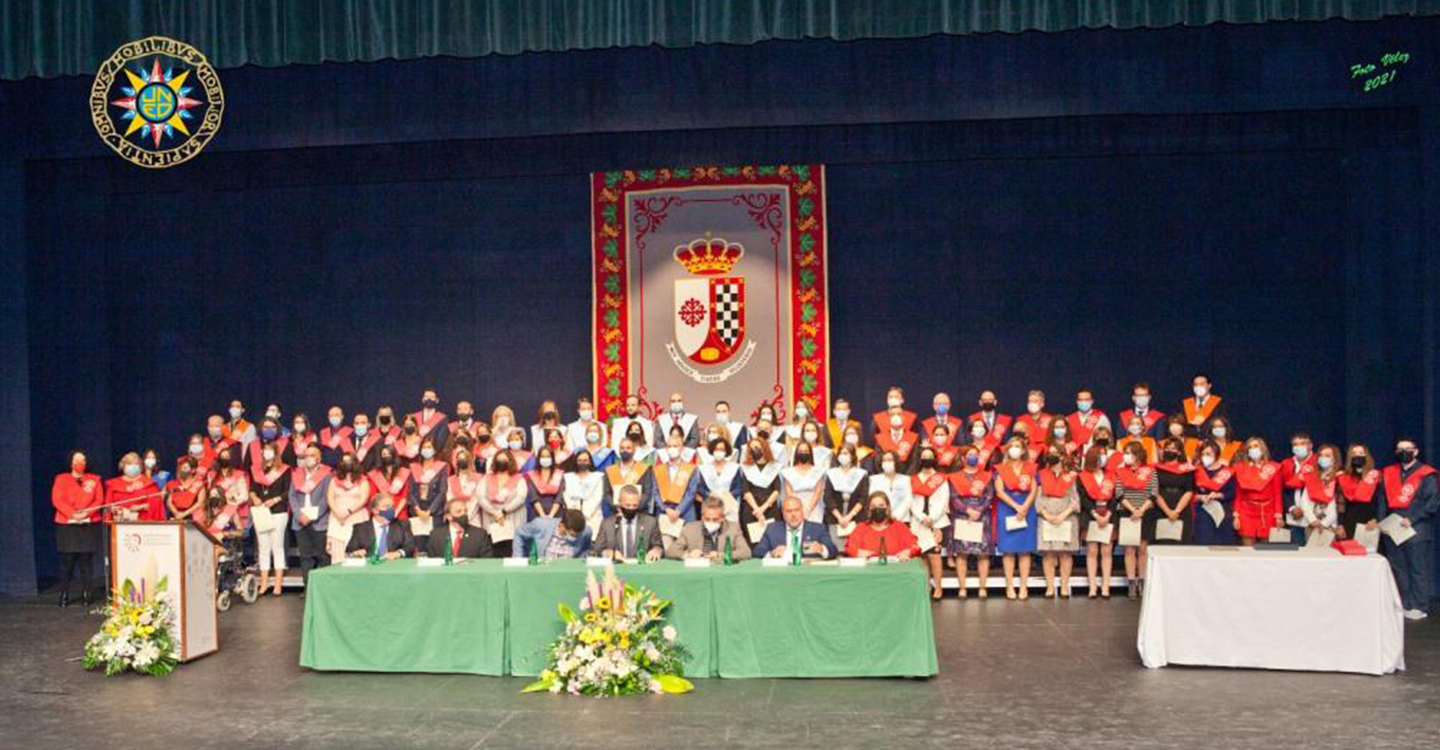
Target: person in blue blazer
x=814, y=538
x=573, y=538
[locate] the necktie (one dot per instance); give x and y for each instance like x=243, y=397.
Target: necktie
x=380, y=542
x=629, y=539
x=456, y=536
x=794, y=540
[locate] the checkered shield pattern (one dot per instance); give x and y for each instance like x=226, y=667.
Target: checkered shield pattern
x=727, y=310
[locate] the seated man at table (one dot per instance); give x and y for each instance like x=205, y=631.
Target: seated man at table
x=554, y=537
x=865, y=540
x=812, y=538
x=456, y=533
x=708, y=536
x=393, y=539
x=622, y=535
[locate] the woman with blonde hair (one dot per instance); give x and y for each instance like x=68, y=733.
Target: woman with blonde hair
x=1016, y=490
x=1257, y=493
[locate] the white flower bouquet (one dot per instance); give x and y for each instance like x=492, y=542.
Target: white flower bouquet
x=136, y=635
x=618, y=644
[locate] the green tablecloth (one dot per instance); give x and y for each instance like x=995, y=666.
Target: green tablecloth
x=741, y=621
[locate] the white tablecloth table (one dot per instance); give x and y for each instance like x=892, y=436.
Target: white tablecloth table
x=1282, y=609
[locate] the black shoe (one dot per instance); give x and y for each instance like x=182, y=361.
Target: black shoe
x=85, y=597
x=64, y=598
x=1131, y=593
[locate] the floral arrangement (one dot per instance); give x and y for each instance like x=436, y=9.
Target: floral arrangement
x=618, y=644
x=136, y=634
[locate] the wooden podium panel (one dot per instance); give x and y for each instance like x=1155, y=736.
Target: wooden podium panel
x=184, y=555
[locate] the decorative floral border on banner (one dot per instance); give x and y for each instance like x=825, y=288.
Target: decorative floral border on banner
x=810, y=317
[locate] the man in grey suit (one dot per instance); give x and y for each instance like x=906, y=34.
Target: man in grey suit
x=707, y=537
x=626, y=532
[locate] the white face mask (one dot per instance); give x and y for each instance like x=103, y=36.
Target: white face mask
x=1255, y=453
x=1325, y=462
x=852, y=439
x=427, y=453
x=299, y=427
x=1136, y=429
x=1033, y=407
x=196, y=449
x=978, y=432
x=893, y=401
x=1218, y=432
x=516, y=445
x=677, y=407
x=1015, y=452
x=1208, y=460
x=1059, y=432
x=235, y=412
x=545, y=462
x=1200, y=391
x=896, y=421
x=722, y=417
x=592, y=437
x=812, y=438
x=1301, y=452
x=888, y=467
x=1142, y=402
x=1129, y=459
x=801, y=413
x=586, y=414
x=673, y=452
x=844, y=460
x=269, y=454
x=361, y=429
x=711, y=526
x=273, y=414
x=841, y=415
x=150, y=462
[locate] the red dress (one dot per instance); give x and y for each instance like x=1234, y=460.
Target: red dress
x=142, y=490
x=1257, y=498
x=898, y=538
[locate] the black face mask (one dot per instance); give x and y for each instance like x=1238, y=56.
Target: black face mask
x=927, y=463
x=385, y=419
x=1052, y=460
x=803, y=458
x=387, y=460
x=429, y=403
x=1357, y=462
x=1170, y=456
x=483, y=438
x=463, y=463
x=463, y=440
x=1102, y=442
x=878, y=514
x=347, y=466
x=550, y=415
x=638, y=438
x=461, y=519
x=464, y=417
x=629, y=513
x=1405, y=455
x=582, y=465
x=987, y=406
x=409, y=429
x=502, y=466
x=627, y=455
x=226, y=462
x=756, y=455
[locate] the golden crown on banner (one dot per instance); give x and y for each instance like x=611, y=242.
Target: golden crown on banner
x=708, y=256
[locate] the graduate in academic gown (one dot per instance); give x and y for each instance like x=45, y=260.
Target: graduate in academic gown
x=270, y=513
x=1152, y=420
x=1293, y=473
x=1175, y=490
x=583, y=489
x=1057, y=507
x=947, y=453
x=546, y=420
x=1098, y=492
x=942, y=417
x=1015, y=492
x=676, y=416
x=132, y=485
x=215, y=440
x=759, y=487
x=502, y=502
x=463, y=483
x=576, y=432
x=430, y=421
x=1214, y=482
x=719, y=476
x=1358, y=483
x=430, y=477
x=1411, y=492
x=675, y=480
x=882, y=421
x=805, y=480
x=847, y=486
x=238, y=430
x=592, y=443
x=302, y=434
x=838, y=423
x=985, y=444
x=183, y=493
x=367, y=442
x=892, y=479
x=387, y=425
x=1135, y=433
x=335, y=438
x=930, y=513
x=972, y=499
x=1318, y=499
x=76, y=494
x=309, y=511
x=545, y=478
x=514, y=444
x=349, y=502
x=1201, y=408
x=899, y=440
x=1035, y=423
x=997, y=425
x=810, y=434
x=1085, y=419
x=392, y=477
x=627, y=470
x=619, y=426
x=1257, y=496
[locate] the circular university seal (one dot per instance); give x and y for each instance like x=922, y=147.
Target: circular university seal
x=156, y=102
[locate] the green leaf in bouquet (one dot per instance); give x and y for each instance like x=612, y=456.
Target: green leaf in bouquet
x=566, y=614
x=674, y=685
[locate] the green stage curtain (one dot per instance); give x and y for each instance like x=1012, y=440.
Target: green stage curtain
x=70, y=37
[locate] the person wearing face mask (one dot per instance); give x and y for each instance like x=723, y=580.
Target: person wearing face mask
x=930, y=513
x=593, y=445
x=464, y=484
x=223, y=519
x=543, y=482
x=1294, y=471
x=302, y=435
x=972, y=499
x=1257, y=495
x=387, y=426
x=892, y=479
x=645, y=453
x=196, y=450
x=1103, y=439
x=392, y=477
x=455, y=533
x=881, y=421
x=270, y=435
x=800, y=418
x=1224, y=436
x=502, y=500
x=430, y=421
x=676, y=416
x=513, y=442
x=75, y=495
x=1214, y=497
x=719, y=476
x=546, y=419
x=984, y=443
x=1058, y=507
x=865, y=456
x=1062, y=437
x=1318, y=498
x=150, y=467
x=708, y=537
x=238, y=429
x=214, y=440
x=627, y=470
x=879, y=525
x=620, y=426
x=272, y=411
x=947, y=453
x=1175, y=427
x=805, y=480
x=1035, y=422
x=847, y=486
x=270, y=512
x=554, y=538
x=431, y=480
x=899, y=440
x=1139, y=487
x=234, y=481
x=348, y=500
x=623, y=535
x=553, y=439
x=182, y=494
x=336, y=437
x=1152, y=420
x=1201, y=408
x=407, y=446
x=1175, y=490
x=675, y=483
x=1086, y=418
x=1358, y=483
x=381, y=533
x=309, y=511
x=793, y=532
x=367, y=443
x=736, y=432
x=1411, y=493
x=996, y=425
x=583, y=488
x=1135, y=433
x=810, y=433
x=759, y=488
x=838, y=423
x=764, y=414
x=1098, y=490
x=577, y=432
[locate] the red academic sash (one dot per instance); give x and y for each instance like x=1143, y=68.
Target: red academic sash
x=1037, y=427
x=461, y=489
x=966, y=485
x=1359, y=490
x=1081, y=427
x=304, y=484
x=546, y=488
x=1399, y=494
x=396, y=487
x=1102, y=491
x=882, y=420
x=1002, y=424
x=1021, y=481
x=268, y=478
x=926, y=488
x=1212, y=482
x=1318, y=489
x=1151, y=418
x=902, y=447
x=1056, y=486
x=1134, y=479
x=337, y=439
x=1193, y=416
x=1294, y=478
x=493, y=486
x=1252, y=478
x=426, y=425
x=370, y=440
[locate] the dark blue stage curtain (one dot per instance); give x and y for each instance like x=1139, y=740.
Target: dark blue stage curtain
x=1008, y=212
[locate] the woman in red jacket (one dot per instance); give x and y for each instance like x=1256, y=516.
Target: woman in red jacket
x=75, y=496
x=1257, y=493
x=881, y=531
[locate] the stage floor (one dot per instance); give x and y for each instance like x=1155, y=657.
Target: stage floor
x=1039, y=674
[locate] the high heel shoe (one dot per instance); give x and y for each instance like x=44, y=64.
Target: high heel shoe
x=64, y=599
x=1009, y=593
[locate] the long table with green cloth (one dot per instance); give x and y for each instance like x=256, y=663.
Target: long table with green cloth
x=745, y=620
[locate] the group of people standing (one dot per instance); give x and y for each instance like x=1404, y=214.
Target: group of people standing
x=944, y=488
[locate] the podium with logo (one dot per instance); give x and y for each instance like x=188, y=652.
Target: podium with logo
x=182, y=554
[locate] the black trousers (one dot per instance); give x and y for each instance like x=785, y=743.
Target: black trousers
x=69, y=561
x=310, y=543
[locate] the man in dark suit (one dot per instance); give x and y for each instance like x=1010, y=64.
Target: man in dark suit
x=626, y=532
x=474, y=541
x=707, y=537
x=812, y=538
x=394, y=539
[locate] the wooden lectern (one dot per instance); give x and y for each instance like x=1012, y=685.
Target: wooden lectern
x=183, y=554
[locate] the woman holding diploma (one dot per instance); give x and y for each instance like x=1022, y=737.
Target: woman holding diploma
x=270, y=510
x=1358, y=483
x=1059, y=508
x=1257, y=497
x=972, y=500
x=1138, y=488
x=502, y=497
x=75, y=495
x=1098, y=491
x=1176, y=485
x=846, y=490
x=349, y=503
x=1317, y=497
x=1016, y=489
x=930, y=513
x=1214, y=501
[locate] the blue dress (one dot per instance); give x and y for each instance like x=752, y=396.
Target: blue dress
x=1020, y=541
x=1206, y=531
